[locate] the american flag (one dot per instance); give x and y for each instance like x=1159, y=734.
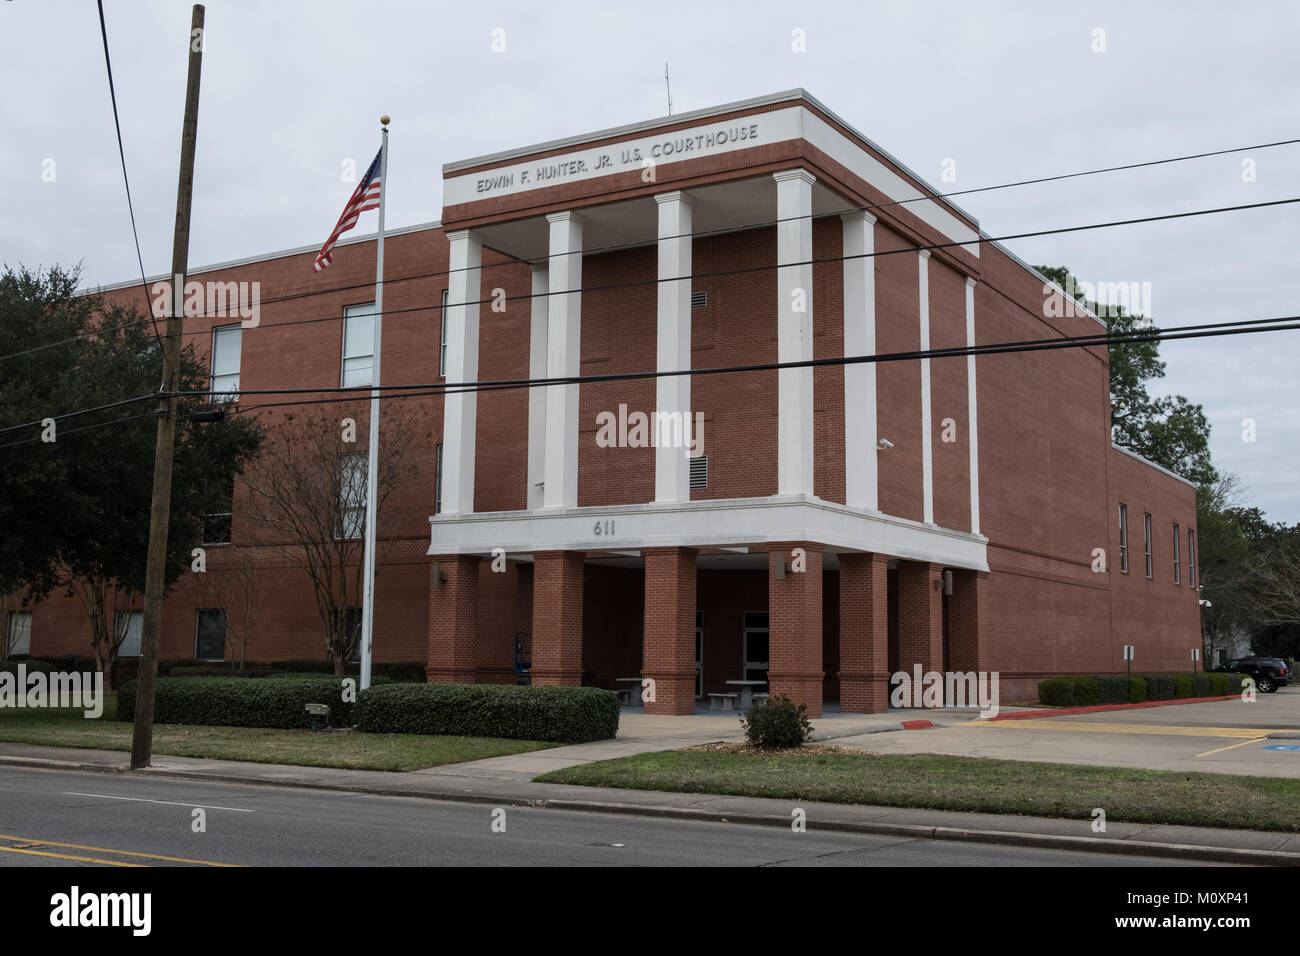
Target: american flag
x=366, y=196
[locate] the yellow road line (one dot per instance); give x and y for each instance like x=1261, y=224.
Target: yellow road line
x=1045, y=723
x=66, y=856
x=1231, y=746
x=102, y=849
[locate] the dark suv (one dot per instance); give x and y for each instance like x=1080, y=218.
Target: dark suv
x=1269, y=673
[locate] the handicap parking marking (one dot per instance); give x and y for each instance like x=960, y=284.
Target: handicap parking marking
x=1282, y=747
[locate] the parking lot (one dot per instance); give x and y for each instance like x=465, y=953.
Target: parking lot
x=1260, y=738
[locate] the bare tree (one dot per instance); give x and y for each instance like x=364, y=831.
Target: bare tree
x=106, y=605
x=238, y=582
x=307, y=495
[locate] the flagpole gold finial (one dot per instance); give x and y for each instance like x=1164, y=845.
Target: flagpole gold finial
x=384, y=120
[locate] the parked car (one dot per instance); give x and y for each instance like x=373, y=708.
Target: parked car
x=1269, y=673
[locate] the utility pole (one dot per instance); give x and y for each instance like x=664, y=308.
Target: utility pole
x=160, y=510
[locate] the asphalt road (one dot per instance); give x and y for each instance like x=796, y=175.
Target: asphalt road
x=74, y=818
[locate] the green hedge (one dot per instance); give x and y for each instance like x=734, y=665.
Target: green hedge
x=1137, y=689
x=236, y=702
x=561, y=714
x=400, y=672
x=1070, y=691
x=30, y=665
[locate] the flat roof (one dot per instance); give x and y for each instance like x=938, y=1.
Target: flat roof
x=786, y=96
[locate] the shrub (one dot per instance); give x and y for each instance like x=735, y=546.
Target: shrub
x=1114, y=689
x=399, y=672
x=1183, y=686
x=560, y=714
x=30, y=665
x=1201, y=685
x=236, y=702
x=165, y=664
x=777, y=722
x=1070, y=691
x=1159, y=686
x=214, y=670
x=1137, y=690
x=1221, y=685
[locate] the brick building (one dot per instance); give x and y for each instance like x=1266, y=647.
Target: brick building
x=840, y=522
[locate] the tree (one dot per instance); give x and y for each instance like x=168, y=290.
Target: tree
x=1171, y=431
x=236, y=581
x=307, y=495
x=75, y=512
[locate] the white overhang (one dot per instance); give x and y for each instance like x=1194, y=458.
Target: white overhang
x=713, y=523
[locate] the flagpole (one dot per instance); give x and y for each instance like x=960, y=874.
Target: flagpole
x=372, y=463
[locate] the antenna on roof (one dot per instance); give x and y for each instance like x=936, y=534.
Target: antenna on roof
x=668, y=88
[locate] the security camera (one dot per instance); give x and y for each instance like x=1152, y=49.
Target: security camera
x=884, y=443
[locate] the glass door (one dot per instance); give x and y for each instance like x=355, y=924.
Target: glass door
x=755, y=647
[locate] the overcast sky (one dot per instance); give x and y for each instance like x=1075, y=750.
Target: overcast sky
x=1004, y=90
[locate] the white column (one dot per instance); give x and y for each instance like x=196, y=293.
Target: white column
x=972, y=425
x=563, y=357
x=794, y=331
x=927, y=452
x=460, y=417
x=860, y=475
x=537, y=396
x=673, y=394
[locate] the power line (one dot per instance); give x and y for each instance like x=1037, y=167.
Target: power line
x=82, y=411
x=83, y=428
x=121, y=151
x=1106, y=339
x=722, y=273
x=515, y=260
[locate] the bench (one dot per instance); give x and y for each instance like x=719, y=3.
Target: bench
x=723, y=701
x=760, y=697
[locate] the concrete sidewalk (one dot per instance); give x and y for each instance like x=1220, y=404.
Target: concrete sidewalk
x=511, y=786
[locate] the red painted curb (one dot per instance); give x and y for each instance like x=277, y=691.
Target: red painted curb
x=1096, y=708
x=915, y=724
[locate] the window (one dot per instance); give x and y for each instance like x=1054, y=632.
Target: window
x=358, y=344
x=1123, y=538
x=19, y=638
x=700, y=471
x=442, y=349
x=210, y=635
x=1191, y=558
x=347, y=621
x=351, y=518
x=437, y=480
x=216, y=523
x=130, y=628
x=1146, y=532
x=1177, y=570
x=226, y=342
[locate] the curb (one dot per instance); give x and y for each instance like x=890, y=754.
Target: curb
x=1205, y=854
x=878, y=729
x=1100, y=708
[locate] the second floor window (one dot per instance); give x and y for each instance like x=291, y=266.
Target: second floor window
x=350, y=519
x=1123, y=538
x=1177, y=570
x=358, y=344
x=226, y=342
x=437, y=480
x=1146, y=526
x=442, y=349
x=1191, y=558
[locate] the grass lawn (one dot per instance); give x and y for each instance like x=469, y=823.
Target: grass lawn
x=352, y=751
x=960, y=783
